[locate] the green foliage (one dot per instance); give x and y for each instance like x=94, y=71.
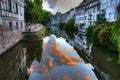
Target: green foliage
x=70, y=24
x=39, y=2
x=89, y=30
x=34, y=12
x=81, y=24
x=45, y=16
x=106, y=34
x=42, y=32
x=69, y=27
x=62, y=26
x=34, y=48
x=89, y=33
x=101, y=17
x=116, y=34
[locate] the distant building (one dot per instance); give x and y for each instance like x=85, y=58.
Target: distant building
x=110, y=7
x=11, y=22
x=91, y=11
x=71, y=14
x=63, y=17
x=55, y=19
x=80, y=13
x=87, y=12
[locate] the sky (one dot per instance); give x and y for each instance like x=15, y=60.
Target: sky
x=60, y=5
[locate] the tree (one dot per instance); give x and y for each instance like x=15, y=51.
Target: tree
x=45, y=16
x=32, y=12
x=71, y=28
x=39, y=2
x=35, y=13
x=116, y=34
x=101, y=17
x=61, y=25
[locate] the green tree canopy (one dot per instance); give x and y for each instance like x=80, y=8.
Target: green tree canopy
x=34, y=12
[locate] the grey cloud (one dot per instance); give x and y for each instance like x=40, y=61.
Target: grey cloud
x=61, y=5
x=52, y=3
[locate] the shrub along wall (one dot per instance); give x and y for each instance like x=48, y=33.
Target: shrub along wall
x=106, y=35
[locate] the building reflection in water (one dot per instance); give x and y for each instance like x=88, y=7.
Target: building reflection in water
x=13, y=64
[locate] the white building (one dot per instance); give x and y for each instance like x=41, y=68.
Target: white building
x=110, y=7
x=87, y=12
x=71, y=14
x=11, y=22
x=80, y=13
x=91, y=11
x=55, y=19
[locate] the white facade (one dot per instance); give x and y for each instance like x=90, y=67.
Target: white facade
x=11, y=22
x=55, y=19
x=87, y=12
x=92, y=10
x=110, y=7
x=80, y=14
x=71, y=14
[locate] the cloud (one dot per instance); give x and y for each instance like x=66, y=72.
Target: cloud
x=52, y=3
x=60, y=5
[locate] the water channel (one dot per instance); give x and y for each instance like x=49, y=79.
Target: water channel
x=14, y=62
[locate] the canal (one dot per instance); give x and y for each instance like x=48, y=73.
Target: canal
x=15, y=62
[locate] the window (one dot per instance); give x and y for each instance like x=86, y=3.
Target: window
x=17, y=27
x=10, y=26
x=20, y=10
x=115, y=15
x=98, y=8
x=5, y=5
x=94, y=10
x=109, y=16
x=8, y=3
x=21, y=26
x=16, y=8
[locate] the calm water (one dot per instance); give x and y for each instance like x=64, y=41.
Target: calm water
x=14, y=63
x=107, y=62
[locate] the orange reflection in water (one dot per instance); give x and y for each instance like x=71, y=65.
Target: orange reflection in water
x=65, y=77
x=66, y=49
x=44, y=69
x=63, y=57
x=72, y=50
x=50, y=63
x=78, y=75
x=87, y=77
x=30, y=69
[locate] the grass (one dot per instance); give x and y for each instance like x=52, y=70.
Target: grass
x=41, y=32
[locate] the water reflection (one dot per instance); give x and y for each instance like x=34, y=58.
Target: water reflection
x=108, y=64
x=60, y=62
x=13, y=64
x=34, y=50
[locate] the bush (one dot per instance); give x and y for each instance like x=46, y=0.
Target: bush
x=62, y=26
x=70, y=24
x=116, y=34
x=70, y=28
x=89, y=30
x=81, y=24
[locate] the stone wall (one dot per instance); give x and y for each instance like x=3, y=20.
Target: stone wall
x=9, y=38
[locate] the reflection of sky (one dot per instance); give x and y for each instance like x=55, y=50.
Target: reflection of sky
x=58, y=63
x=60, y=5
